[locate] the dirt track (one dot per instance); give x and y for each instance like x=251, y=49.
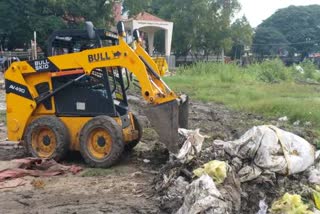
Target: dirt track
x=125, y=190
x=127, y=187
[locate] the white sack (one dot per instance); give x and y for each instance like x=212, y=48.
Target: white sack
x=272, y=149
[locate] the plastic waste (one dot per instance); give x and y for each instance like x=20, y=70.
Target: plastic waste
x=271, y=149
x=314, y=176
x=191, y=146
x=217, y=170
x=290, y=204
x=202, y=196
x=316, y=199
x=283, y=119
x=263, y=207
x=174, y=194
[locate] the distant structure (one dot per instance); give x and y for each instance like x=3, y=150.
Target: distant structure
x=150, y=24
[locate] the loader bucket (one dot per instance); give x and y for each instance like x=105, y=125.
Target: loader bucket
x=166, y=118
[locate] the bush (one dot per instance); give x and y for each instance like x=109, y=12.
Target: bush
x=310, y=70
x=273, y=71
x=218, y=71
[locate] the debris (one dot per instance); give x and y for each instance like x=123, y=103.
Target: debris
x=283, y=119
x=191, y=146
x=308, y=123
x=248, y=173
x=290, y=204
x=187, y=173
x=299, y=69
x=174, y=195
x=314, y=176
x=217, y=170
x=263, y=207
x=34, y=167
x=202, y=196
x=316, y=199
x=74, y=169
x=146, y=161
x=136, y=174
x=231, y=190
x=244, y=171
x=271, y=149
x=296, y=123
x=38, y=183
x=12, y=183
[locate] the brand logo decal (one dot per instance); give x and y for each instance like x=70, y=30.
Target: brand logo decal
x=99, y=57
x=17, y=89
x=41, y=65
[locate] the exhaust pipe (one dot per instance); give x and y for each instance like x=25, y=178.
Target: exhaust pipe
x=167, y=118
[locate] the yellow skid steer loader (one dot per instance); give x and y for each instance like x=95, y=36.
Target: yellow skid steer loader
x=75, y=99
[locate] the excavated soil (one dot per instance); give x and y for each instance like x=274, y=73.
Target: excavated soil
x=129, y=186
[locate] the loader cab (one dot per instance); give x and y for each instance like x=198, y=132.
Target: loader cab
x=101, y=93
x=74, y=40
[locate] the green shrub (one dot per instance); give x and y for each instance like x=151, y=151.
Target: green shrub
x=273, y=71
x=218, y=71
x=309, y=70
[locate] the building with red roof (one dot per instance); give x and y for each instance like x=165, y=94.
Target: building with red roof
x=150, y=24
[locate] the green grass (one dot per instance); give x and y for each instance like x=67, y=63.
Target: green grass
x=269, y=88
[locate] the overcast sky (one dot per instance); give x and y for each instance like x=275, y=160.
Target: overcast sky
x=258, y=10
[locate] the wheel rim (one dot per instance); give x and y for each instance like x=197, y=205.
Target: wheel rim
x=44, y=142
x=99, y=143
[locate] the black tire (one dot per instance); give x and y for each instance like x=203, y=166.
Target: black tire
x=130, y=145
x=107, y=126
x=58, y=136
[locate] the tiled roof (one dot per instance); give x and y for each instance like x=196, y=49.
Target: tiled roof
x=144, y=16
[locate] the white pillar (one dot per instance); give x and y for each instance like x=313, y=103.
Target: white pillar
x=151, y=42
x=168, y=39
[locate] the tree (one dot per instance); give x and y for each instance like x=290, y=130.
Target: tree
x=133, y=7
x=296, y=26
x=201, y=27
x=269, y=41
x=20, y=18
x=241, y=34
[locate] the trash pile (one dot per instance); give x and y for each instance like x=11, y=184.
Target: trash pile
x=267, y=170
